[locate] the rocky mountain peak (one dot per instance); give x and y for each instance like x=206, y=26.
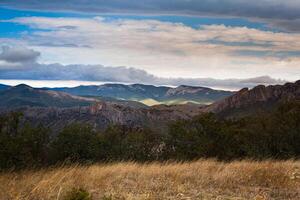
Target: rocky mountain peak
x=267, y=95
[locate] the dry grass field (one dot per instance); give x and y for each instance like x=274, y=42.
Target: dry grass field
x=203, y=179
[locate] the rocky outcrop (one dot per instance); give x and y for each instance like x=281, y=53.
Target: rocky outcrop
x=183, y=90
x=259, y=95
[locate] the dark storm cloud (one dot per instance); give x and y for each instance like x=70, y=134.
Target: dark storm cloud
x=276, y=12
x=16, y=55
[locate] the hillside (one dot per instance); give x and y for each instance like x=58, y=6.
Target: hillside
x=260, y=97
x=56, y=109
x=103, y=114
x=4, y=87
x=24, y=95
x=149, y=94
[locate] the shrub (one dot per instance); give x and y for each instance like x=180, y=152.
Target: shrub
x=78, y=194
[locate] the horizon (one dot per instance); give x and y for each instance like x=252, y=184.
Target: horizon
x=73, y=84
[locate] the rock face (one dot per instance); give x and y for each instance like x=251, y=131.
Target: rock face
x=193, y=93
x=102, y=114
x=259, y=96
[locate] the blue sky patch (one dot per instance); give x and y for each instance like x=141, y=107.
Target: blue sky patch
x=11, y=30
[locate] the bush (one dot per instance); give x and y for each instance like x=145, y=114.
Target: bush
x=77, y=194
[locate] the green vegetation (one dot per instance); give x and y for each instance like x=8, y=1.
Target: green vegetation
x=264, y=135
x=21, y=146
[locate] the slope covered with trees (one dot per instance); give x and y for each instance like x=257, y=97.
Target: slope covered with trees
x=274, y=134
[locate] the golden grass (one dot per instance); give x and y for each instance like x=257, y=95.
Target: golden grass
x=203, y=179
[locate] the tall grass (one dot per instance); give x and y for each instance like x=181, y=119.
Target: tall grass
x=203, y=179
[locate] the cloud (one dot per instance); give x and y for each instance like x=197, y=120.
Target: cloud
x=38, y=71
x=165, y=49
x=283, y=13
x=16, y=55
x=153, y=35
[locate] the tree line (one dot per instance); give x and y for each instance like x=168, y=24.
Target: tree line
x=264, y=135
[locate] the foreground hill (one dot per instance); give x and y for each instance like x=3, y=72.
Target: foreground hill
x=204, y=179
x=260, y=97
x=24, y=95
x=149, y=94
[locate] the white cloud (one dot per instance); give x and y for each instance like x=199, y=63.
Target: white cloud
x=166, y=49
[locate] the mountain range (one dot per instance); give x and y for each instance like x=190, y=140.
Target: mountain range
x=149, y=94
x=261, y=97
x=58, y=108
x=55, y=107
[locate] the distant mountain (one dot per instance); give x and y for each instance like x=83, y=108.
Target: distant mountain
x=4, y=87
x=56, y=109
x=260, y=97
x=149, y=94
x=24, y=95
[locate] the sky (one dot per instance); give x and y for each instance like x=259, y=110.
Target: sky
x=227, y=44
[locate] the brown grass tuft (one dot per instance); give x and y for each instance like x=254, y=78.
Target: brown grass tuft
x=203, y=179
